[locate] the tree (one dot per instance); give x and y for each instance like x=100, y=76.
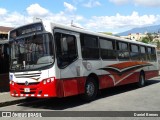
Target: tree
x=150, y=37
x=145, y=40
x=158, y=44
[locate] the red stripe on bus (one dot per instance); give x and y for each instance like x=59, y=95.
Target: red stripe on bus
x=74, y=86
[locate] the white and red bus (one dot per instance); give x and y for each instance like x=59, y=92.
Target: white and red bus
x=52, y=60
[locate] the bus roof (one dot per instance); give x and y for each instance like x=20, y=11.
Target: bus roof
x=49, y=26
x=81, y=30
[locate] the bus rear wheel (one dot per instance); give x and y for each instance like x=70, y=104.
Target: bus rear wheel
x=91, y=89
x=141, y=82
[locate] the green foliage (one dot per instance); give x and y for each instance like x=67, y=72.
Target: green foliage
x=150, y=37
x=158, y=44
x=107, y=33
x=149, y=40
x=145, y=40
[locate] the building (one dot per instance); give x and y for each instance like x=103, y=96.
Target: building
x=4, y=32
x=134, y=36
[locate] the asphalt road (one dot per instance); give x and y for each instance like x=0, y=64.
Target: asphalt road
x=123, y=98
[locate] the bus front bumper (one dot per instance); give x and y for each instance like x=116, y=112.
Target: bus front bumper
x=41, y=89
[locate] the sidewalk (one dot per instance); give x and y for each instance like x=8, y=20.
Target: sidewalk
x=6, y=99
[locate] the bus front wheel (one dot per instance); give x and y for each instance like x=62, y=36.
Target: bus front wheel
x=91, y=89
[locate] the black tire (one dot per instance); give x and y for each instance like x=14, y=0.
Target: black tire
x=91, y=89
x=141, y=82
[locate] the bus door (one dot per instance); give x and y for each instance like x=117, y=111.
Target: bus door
x=67, y=60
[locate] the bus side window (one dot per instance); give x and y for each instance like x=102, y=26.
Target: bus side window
x=90, y=48
x=66, y=49
x=153, y=55
x=149, y=52
x=123, y=51
x=134, y=54
x=143, y=53
x=107, y=48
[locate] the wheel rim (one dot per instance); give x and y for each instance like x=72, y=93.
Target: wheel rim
x=142, y=80
x=90, y=88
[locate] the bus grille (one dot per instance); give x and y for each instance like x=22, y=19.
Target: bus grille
x=36, y=83
x=27, y=75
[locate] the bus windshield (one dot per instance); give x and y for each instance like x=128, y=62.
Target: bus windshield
x=31, y=52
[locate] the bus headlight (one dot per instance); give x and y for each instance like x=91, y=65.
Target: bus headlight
x=52, y=79
x=48, y=80
x=44, y=81
x=11, y=82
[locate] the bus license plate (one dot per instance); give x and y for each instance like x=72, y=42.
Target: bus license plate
x=26, y=89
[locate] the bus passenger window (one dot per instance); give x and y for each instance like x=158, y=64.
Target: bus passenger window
x=123, y=52
x=89, y=45
x=66, y=49
x=134, y=54
x=107, y=49
x=143, y=53
x=153, y=55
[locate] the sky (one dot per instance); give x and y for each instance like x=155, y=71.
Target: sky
x=96, y=15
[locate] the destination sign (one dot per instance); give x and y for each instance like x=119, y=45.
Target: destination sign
x=26, y=30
